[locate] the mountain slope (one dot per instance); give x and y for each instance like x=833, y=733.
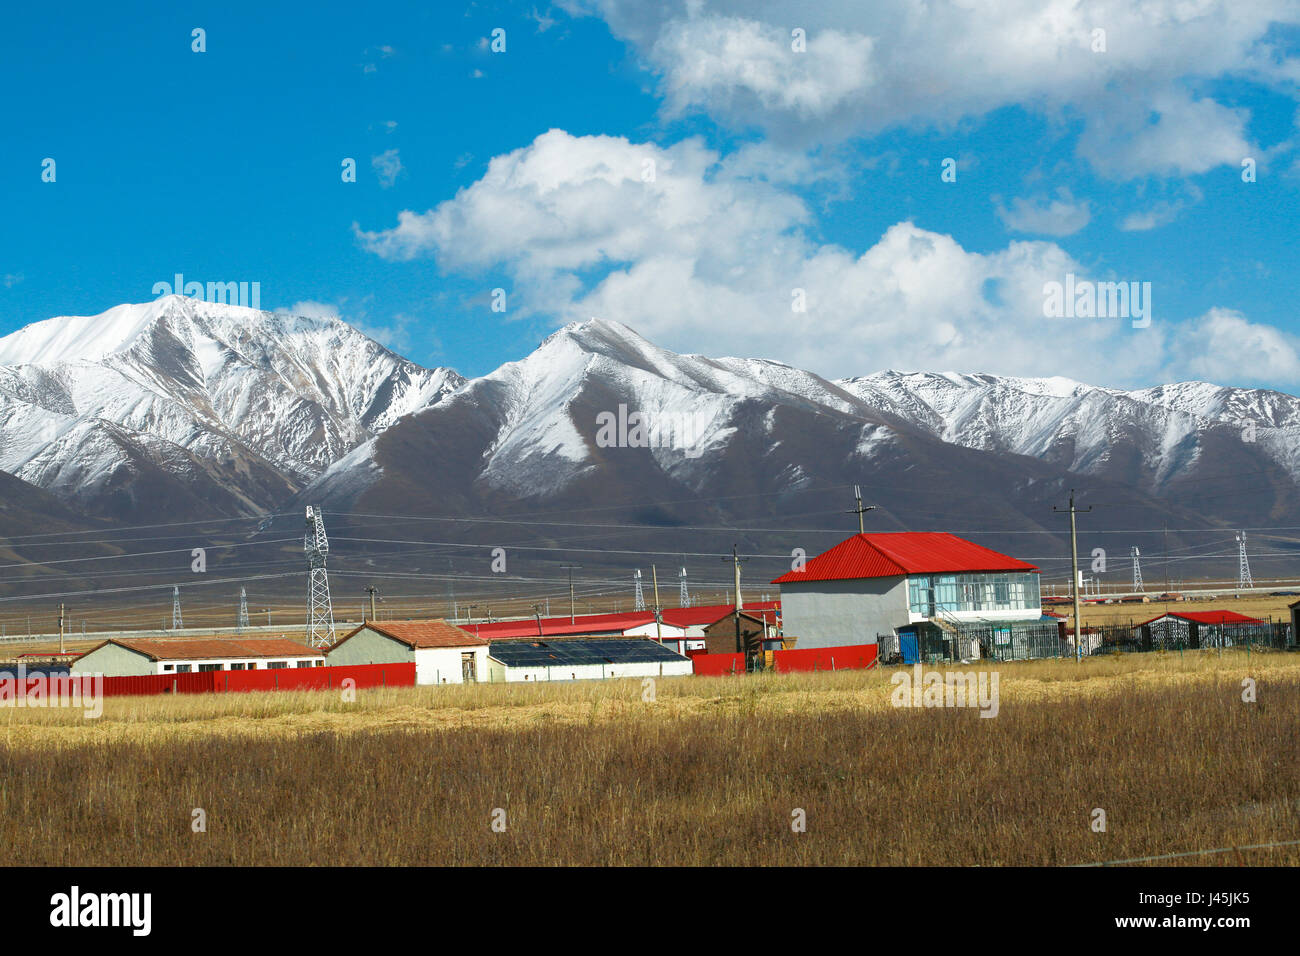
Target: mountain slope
x=195, y=407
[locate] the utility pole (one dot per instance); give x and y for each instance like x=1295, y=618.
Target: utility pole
x=571, y=568
x=859, y=510
x=371, y=590
x=1074, y=566
x=60, y=628
x=735, y=560
x=659, y=630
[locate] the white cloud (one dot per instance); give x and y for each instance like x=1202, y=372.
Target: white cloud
x=1063, y=216
x=10, y=279
x=1223, y=340
x=704, y=256
x=890, y=63
x=313, y=310
x=387, y=166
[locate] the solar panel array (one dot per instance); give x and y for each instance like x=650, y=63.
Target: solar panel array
x=558, y=653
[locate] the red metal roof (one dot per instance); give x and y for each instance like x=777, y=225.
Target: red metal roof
x=552, y=626
x=215, y=648
x=589, y=624
x=898, y=553
x=1208, y=617
x=420, y=634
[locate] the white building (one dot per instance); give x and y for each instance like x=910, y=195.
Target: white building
x=583, y=659
x=914, y=588
x=442, y=653
x=128, y=657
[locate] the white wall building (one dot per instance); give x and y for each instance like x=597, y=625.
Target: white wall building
x=129, y=657
x=442, y=653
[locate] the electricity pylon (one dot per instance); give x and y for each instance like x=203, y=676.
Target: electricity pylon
x=320, y=613
x=1244, y=580
x=639, y=603
x=242, y=620
x=1137, y=569
x=177, y=623
x=684, y=597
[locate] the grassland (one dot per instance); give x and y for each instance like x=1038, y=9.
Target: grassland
x=709, y=772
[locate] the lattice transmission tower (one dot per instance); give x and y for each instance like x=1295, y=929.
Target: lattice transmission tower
x=242, y=621
x=320, y=613
x=684, y=596
x=1244, y=580
x=1137, y=569
x=639, y=603
x=177, y=623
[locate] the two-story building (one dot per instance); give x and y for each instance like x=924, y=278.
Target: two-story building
x=919, y=595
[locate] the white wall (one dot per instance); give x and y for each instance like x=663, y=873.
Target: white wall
x=565, y=672
x=441, y=665
x=161, y=667
x=836, y=613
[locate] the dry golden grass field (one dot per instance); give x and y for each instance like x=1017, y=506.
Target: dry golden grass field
x=709, y=772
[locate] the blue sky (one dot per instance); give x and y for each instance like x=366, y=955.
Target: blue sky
x=774, y=170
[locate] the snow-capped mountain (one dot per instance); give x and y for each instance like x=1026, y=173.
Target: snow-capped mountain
x=1151, y=437
x=179, y=403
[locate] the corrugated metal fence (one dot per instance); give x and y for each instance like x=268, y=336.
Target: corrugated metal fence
x=206, y=682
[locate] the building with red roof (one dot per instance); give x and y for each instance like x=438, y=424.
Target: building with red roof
x=681, y=627
x=913, y=588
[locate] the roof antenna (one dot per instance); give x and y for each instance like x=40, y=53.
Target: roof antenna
x=859, y=510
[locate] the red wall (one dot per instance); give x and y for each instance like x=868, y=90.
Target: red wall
x=714, y=665
x=850, y=657
x=289, y=678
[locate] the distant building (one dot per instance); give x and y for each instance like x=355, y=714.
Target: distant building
x=720, y=636
x=681, y=628
x=128, y=657
x=919, y=594
x=442, y=653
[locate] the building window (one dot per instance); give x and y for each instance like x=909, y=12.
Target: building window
x=168, y=667
x=182, y=668
x=304, y=663
x=209, y=667
x=237, y=667
x=320, y=663
x=933, y=595
x=276, y=665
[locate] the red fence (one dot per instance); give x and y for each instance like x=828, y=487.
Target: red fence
x=849, y=657
x=715, y=665
x=200, y=682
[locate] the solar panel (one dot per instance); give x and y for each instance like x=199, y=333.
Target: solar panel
x=581, y=652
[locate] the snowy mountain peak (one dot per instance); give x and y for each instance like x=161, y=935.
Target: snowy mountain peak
x=256, y=401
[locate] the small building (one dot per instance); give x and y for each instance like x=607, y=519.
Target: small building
x=720, y=636
x=442, y=653
x=1176, y=630
x=583, y=659
x=926, y=594
x=129, y=657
